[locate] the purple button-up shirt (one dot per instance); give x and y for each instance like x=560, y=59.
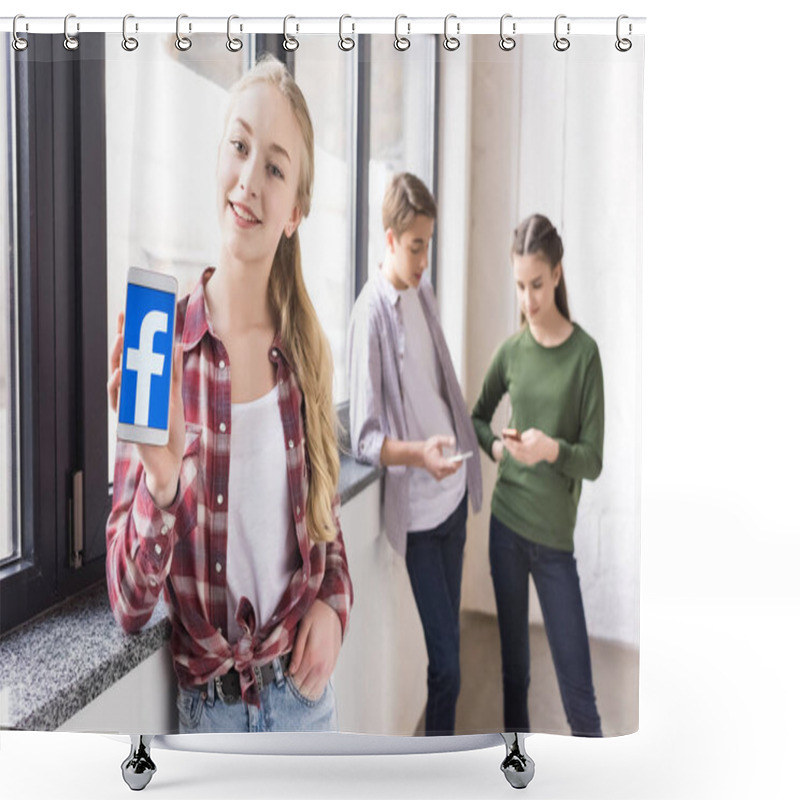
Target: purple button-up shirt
x=376, y=342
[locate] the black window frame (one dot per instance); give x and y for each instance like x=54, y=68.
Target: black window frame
x=60, y=172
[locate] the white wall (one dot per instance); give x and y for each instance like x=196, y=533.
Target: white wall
x=562, y=137
x=380, y=679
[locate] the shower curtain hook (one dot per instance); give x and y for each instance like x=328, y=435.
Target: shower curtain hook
x=183, y=43
x=70, y=42
x=129, y=43
x=401, y=42
x=346, y=42
x=451, y=42
x=233, y=44
x=290, y=43
x=561, y=43
x=623, y=45
x=507, y=42
x=18, y=42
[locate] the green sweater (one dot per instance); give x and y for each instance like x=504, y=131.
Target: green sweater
x=558, y=390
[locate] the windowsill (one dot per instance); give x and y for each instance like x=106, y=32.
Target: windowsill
x=56, y=665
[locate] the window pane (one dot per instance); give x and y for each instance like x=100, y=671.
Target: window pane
x=9, y=536
x=327, y=80
x=164, y=118
x=401, y=123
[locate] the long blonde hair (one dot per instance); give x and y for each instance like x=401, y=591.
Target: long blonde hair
x=301, y=333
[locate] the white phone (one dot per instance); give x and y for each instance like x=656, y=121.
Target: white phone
x=143, y=411
x=460, y=456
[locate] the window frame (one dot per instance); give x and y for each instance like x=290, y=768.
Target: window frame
x=54, y=259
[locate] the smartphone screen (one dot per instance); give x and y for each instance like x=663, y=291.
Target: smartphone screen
x=147, y=357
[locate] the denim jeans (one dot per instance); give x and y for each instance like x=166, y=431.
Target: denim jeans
x=283, y=708
x=434, y=560
x=555, y=576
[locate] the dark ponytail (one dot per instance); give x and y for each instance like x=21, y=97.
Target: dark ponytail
x=537, y=234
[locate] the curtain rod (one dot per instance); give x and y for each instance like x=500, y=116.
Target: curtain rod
x=298, y=24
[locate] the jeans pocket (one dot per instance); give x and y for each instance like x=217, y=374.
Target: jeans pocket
x=190, y=707
x=306, y=701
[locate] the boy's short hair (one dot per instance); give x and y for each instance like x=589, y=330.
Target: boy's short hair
x=405, y=197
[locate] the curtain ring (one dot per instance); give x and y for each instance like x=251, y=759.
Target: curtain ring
x=233, y=44
x=18, y=42
x=623, y=45
x=290, y=43
x=70, y=42
x=129, y=43
x=401, y=42
x=561, y=43
x=183, y=43
x=451, y=42
x=346, y=42
x=507, y=42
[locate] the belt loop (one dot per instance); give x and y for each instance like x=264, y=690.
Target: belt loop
x=278, y=670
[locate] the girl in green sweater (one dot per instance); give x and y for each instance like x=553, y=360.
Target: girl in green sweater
x=551, y=370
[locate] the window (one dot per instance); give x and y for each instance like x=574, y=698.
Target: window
x=402, y=124
x=327, y=78
x=9, y=532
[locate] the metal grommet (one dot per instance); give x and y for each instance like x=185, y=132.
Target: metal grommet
x=183, y=43
x=70, y=42
x=451, y=42
x=561, y=43
x=401, y=42
x=129, y=43
x=623, y=45
x=233, y=44
x=346, y=42
x=18, y=42
x=507, y=42
x=290, y=43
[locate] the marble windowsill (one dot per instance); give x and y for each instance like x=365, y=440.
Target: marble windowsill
x=57, y=664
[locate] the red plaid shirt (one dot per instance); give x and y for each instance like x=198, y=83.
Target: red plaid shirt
x=184, y=547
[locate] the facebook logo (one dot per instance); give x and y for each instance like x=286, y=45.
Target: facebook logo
x=149, y=322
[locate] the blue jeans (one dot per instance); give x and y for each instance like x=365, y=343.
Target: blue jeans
x=283, y=708
x=555, y=576
x=434, y=560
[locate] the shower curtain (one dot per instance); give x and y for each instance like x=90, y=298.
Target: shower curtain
x=117, y=159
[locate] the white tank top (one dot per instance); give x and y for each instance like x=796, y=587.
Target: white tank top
x=262, y=544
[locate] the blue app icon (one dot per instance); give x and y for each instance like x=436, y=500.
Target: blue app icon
x=149, y=322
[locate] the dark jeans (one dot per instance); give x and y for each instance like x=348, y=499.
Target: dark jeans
x=555, y=576
x=434, y=559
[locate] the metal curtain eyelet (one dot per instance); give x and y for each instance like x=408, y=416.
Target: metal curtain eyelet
x=623, y=45
x=561, y=43
x=18, y=43
x=507, y=42
x=183, y=43
x=401, y=42
x=70, y=42
x=129, y=43
x=346, y=42
x=451, y=42
x=290, y=42
x=233, y=44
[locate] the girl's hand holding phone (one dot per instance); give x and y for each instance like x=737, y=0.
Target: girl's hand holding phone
x=162, y=464
x=531, y=446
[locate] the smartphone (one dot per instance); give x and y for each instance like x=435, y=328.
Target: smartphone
x=143, y=412
x=460, y=457
x=512, y=433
